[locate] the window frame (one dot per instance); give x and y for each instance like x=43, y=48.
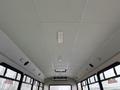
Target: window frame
x=11, y=68
x=108, y=68
x=97, y=74
x=20, y=81
x=9, y=78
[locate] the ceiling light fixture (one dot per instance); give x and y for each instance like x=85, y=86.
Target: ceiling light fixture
x=60, y=70
x=60, y=37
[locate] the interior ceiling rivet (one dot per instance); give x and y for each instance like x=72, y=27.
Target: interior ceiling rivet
x=39, y=74
x=60, y=59
x=21, y=59
x=99, y=58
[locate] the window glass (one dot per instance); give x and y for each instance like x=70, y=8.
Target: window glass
x=28, y=80
x=111, y=84
x=24, y=78
x=89, y=80
x=2, y=70
x=84, y=83
x=31, y=81
x=117, y=68
x=35, y=87
x=92, y=79
x=40, y=88
x=101, y=76
x=18, y=76
x=85, y=87
x=6, y=84
x=94, y=86
x=35, y=82
x=79, y=86
x=11, y=74
x=41, y=84
x=26, y=86
x=60, y=87
x=109, y=73
x=96, y=78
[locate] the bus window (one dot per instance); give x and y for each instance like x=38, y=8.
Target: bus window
x=79, y=86
x=93, y=83
x=109, y=73
x=112, y=78
x=35, y=85
x=19, y=76
x=94, y=86
x=2, y=70
x=96, y=78
x=9, y=79
x=101, y=76
x=111, y=84
x=92, y=79
x=6, y=84
x=29, y=83
x=109, y=78
x=28, y=79
x=40, y=88
x=11, y=74
x=118, y=69
x=84, y=85
x=60, y=87
x=26, y=84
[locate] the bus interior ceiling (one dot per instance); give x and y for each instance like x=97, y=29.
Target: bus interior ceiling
x=59, y=42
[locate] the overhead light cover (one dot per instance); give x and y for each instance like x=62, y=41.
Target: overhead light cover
x=60, y=70
x=60, y=37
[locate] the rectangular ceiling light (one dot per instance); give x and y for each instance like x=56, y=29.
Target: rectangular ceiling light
x=60, y=70
x=60, y=37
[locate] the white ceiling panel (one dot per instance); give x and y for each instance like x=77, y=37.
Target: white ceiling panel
x=59, y=10
x=101, y=11
x=33, y=26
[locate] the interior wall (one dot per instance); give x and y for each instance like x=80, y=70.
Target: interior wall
x=70, y=81
x=12, y=55
x=7, y=60
x=109, y=52
x=113, y=59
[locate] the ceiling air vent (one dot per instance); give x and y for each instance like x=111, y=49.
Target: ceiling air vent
x=60, y=78
x=91, y=65
x=26, y=63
